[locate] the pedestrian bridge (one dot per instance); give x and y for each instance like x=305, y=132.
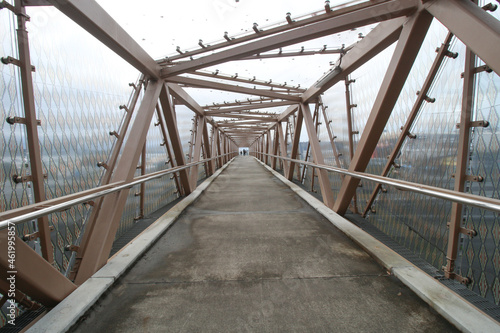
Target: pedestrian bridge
x=251, y=251
x=367, y=198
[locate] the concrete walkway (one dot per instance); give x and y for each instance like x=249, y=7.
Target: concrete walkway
x=250, y=255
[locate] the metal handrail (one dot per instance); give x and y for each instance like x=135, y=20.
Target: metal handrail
x=436, y=192
x=62, y=206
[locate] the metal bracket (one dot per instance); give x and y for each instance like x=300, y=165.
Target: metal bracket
x=457, y=277
x=72, y=248
x=20, y=120
x=448, y=53
x=14, y=61
x=137, y=194
x=114, y=133
x=23, y=179
x=478, y=123
x=35, y=235
x=427, y=98
x=123, y=107
x=470, y=178
x=469, y=232
x=480, y=69
x=102, y=164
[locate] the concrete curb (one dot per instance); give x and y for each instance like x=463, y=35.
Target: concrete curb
x=62, y=317
x=465, y=316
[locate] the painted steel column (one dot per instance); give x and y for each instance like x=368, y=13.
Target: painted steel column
x=351, y=133
x=208, y=149
x=406, y=51
x=32, y=130
x=101, y=239
x=175, y=140
x=283, y=150
x=324, y=181
x=276, y=147
x=268, y=145
x=143, y=185
x=166, y=143
x=462, y=162
x=193, y=177
x=295, y=144
x=443, y=50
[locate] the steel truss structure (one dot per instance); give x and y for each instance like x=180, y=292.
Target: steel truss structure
x=241, y=124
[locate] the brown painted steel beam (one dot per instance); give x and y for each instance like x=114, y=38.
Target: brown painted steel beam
x=406, y=51
x=256, y=106
x=31, y=273
x=283, y=147
x=31, y=123
x=373, y=14
x=252, y=81
x=288, y=112
x=248, y=101
x=185, y=98
x=193, y=176
x=472, y=25
x=197, y=83
x=207, y=147
x=381, y=37
x=462, y=163
x=101, y=239
x=173, y=132
x=417, y=106
x=268, y=32
x=324, y=181
x=350, y=132
x=295, y=145
x=96, y=21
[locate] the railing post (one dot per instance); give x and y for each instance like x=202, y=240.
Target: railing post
x=462, y=162
x=31, y=123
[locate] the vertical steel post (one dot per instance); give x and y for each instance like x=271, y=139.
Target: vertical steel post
x=283, y=150
x=143, y=185
x=210, y=167
x=349, y=107
x=276, y=147
x=198, y=136
x=295, y=144
x=173, y=132
x=462, y=161
x=32, y=130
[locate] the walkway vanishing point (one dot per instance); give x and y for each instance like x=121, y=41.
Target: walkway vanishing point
x=250, y=255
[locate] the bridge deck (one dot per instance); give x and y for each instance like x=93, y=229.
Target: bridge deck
x=250, y=255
